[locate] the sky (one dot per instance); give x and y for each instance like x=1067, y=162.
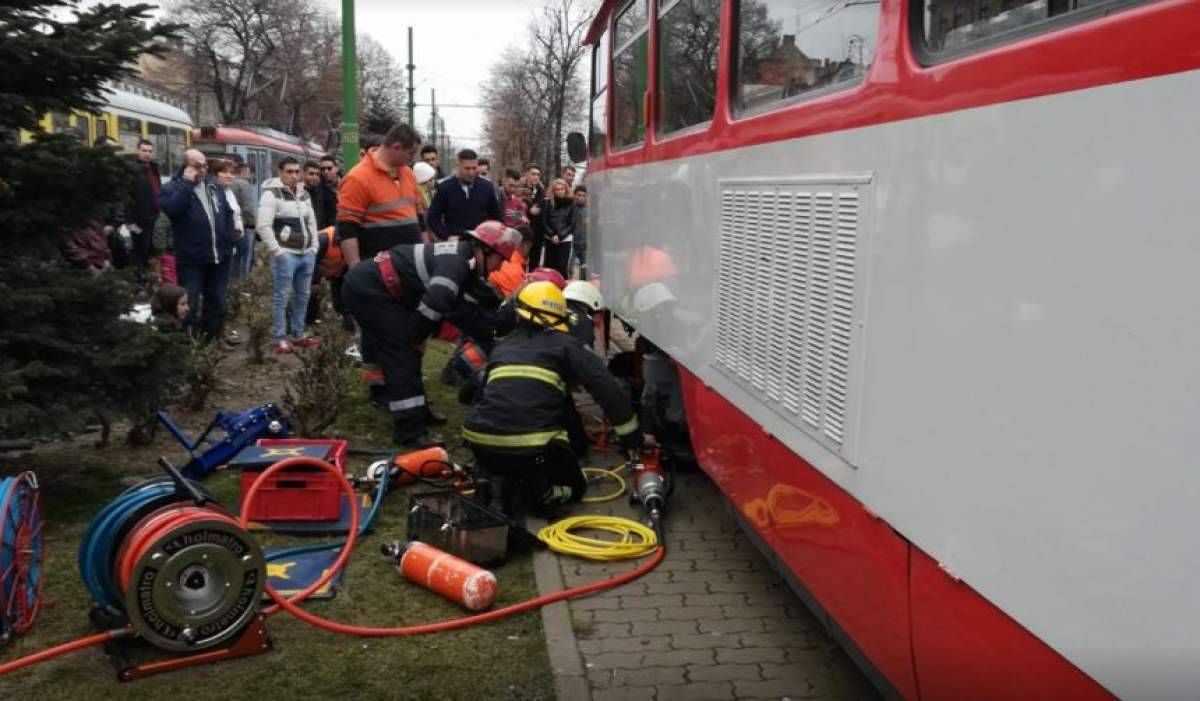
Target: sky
x=455, y=42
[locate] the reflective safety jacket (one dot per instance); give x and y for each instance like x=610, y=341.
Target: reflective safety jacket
x=433, y=278
x=527, y=387
x=377, y=208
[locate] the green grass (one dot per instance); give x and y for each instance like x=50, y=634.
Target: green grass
x=506, y=659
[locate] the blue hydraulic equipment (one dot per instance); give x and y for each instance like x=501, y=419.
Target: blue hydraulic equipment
x=241, y=430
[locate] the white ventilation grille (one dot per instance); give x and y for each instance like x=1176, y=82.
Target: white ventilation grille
x=788, y=318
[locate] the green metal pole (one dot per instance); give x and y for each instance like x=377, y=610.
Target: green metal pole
x=412, y=104
x=349, y=87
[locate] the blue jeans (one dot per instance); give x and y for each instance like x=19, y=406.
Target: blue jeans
x=206, y=285
x=293, y=272
x=243, y=256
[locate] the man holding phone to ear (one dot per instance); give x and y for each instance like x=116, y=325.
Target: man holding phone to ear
x=202, y=223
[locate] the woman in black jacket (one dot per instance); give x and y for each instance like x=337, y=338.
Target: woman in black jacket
x=559, y=221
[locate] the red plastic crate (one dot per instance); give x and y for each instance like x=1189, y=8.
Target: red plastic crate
x=297, y=494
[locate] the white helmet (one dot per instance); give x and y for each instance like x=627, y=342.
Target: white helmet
x=585, y=293
x=650, y=296
x=423, y=171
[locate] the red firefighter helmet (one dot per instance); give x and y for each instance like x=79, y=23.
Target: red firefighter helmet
x=496, y=237
x=548, y=275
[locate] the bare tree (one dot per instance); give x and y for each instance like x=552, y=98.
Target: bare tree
x=380, y=86
x=557, y=35
x=274, y=62
x=229, y=44
x=534, y=94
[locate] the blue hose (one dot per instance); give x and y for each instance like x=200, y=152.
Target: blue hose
x=363, y=527
x=99, y=543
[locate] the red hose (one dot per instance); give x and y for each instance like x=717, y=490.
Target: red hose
x=63, y=649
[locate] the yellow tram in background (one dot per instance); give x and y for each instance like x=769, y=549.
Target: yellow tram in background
x=131, y=112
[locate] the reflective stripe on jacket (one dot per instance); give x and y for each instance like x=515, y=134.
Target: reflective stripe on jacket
x=378, y=209
x=529, y=376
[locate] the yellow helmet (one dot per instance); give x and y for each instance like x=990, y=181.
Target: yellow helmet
x=542, y=303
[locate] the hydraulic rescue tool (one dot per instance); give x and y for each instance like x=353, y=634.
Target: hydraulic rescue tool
x=241, y=430
x=651, y=486
x=165, y=563
x=20, y=553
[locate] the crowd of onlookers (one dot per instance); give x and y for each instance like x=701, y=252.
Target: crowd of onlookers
x=187, y=235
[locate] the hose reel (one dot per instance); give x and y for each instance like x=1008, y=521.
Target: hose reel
x=177, y=566
x=20, y=553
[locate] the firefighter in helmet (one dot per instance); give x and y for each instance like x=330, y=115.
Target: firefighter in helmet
x=402, y=295
x=584, y=302
x=516, y=429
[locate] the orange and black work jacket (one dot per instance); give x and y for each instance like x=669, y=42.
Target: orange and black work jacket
x=529, y=376
x=435, y=278
x=377, y=208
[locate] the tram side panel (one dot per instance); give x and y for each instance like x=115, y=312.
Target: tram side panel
x=1018, y=385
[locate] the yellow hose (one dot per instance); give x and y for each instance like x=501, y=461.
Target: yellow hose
x=636, y=540
x=613, y=474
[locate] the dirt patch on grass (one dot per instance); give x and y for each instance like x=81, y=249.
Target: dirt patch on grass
x=506, y=659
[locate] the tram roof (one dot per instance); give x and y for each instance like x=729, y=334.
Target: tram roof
x=257, y=136
x=600, y=21
x=136, y=102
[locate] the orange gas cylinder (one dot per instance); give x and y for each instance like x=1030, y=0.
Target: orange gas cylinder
x=470, y=586
x=430, y=463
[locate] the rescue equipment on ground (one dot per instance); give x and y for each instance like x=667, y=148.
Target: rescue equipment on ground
x=651, y=486
x=241, y=430
x=20, y=553
x=636, y=540
x=164, y=562
x=405, y=468
x=458, y=525
x=453, y=578
x=116, y=517
x=595, y=475
x=302, y=493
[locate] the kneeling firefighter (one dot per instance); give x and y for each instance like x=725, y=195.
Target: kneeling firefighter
x=401, y=296
x=517, y=428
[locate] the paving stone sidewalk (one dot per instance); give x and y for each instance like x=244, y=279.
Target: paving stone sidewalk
x=713, y=621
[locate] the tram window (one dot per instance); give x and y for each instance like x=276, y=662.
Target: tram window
x=687, y=62
x=954, y=27
x=176, y=145
x=629, y=75
x=158, y=137
x=599, y=118
x=630, y=22
x=787, y=48
x=129, y=133
x=101, y=127
x=59, y=122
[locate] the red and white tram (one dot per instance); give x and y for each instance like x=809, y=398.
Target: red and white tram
x=262, y=148
x=927, y=270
